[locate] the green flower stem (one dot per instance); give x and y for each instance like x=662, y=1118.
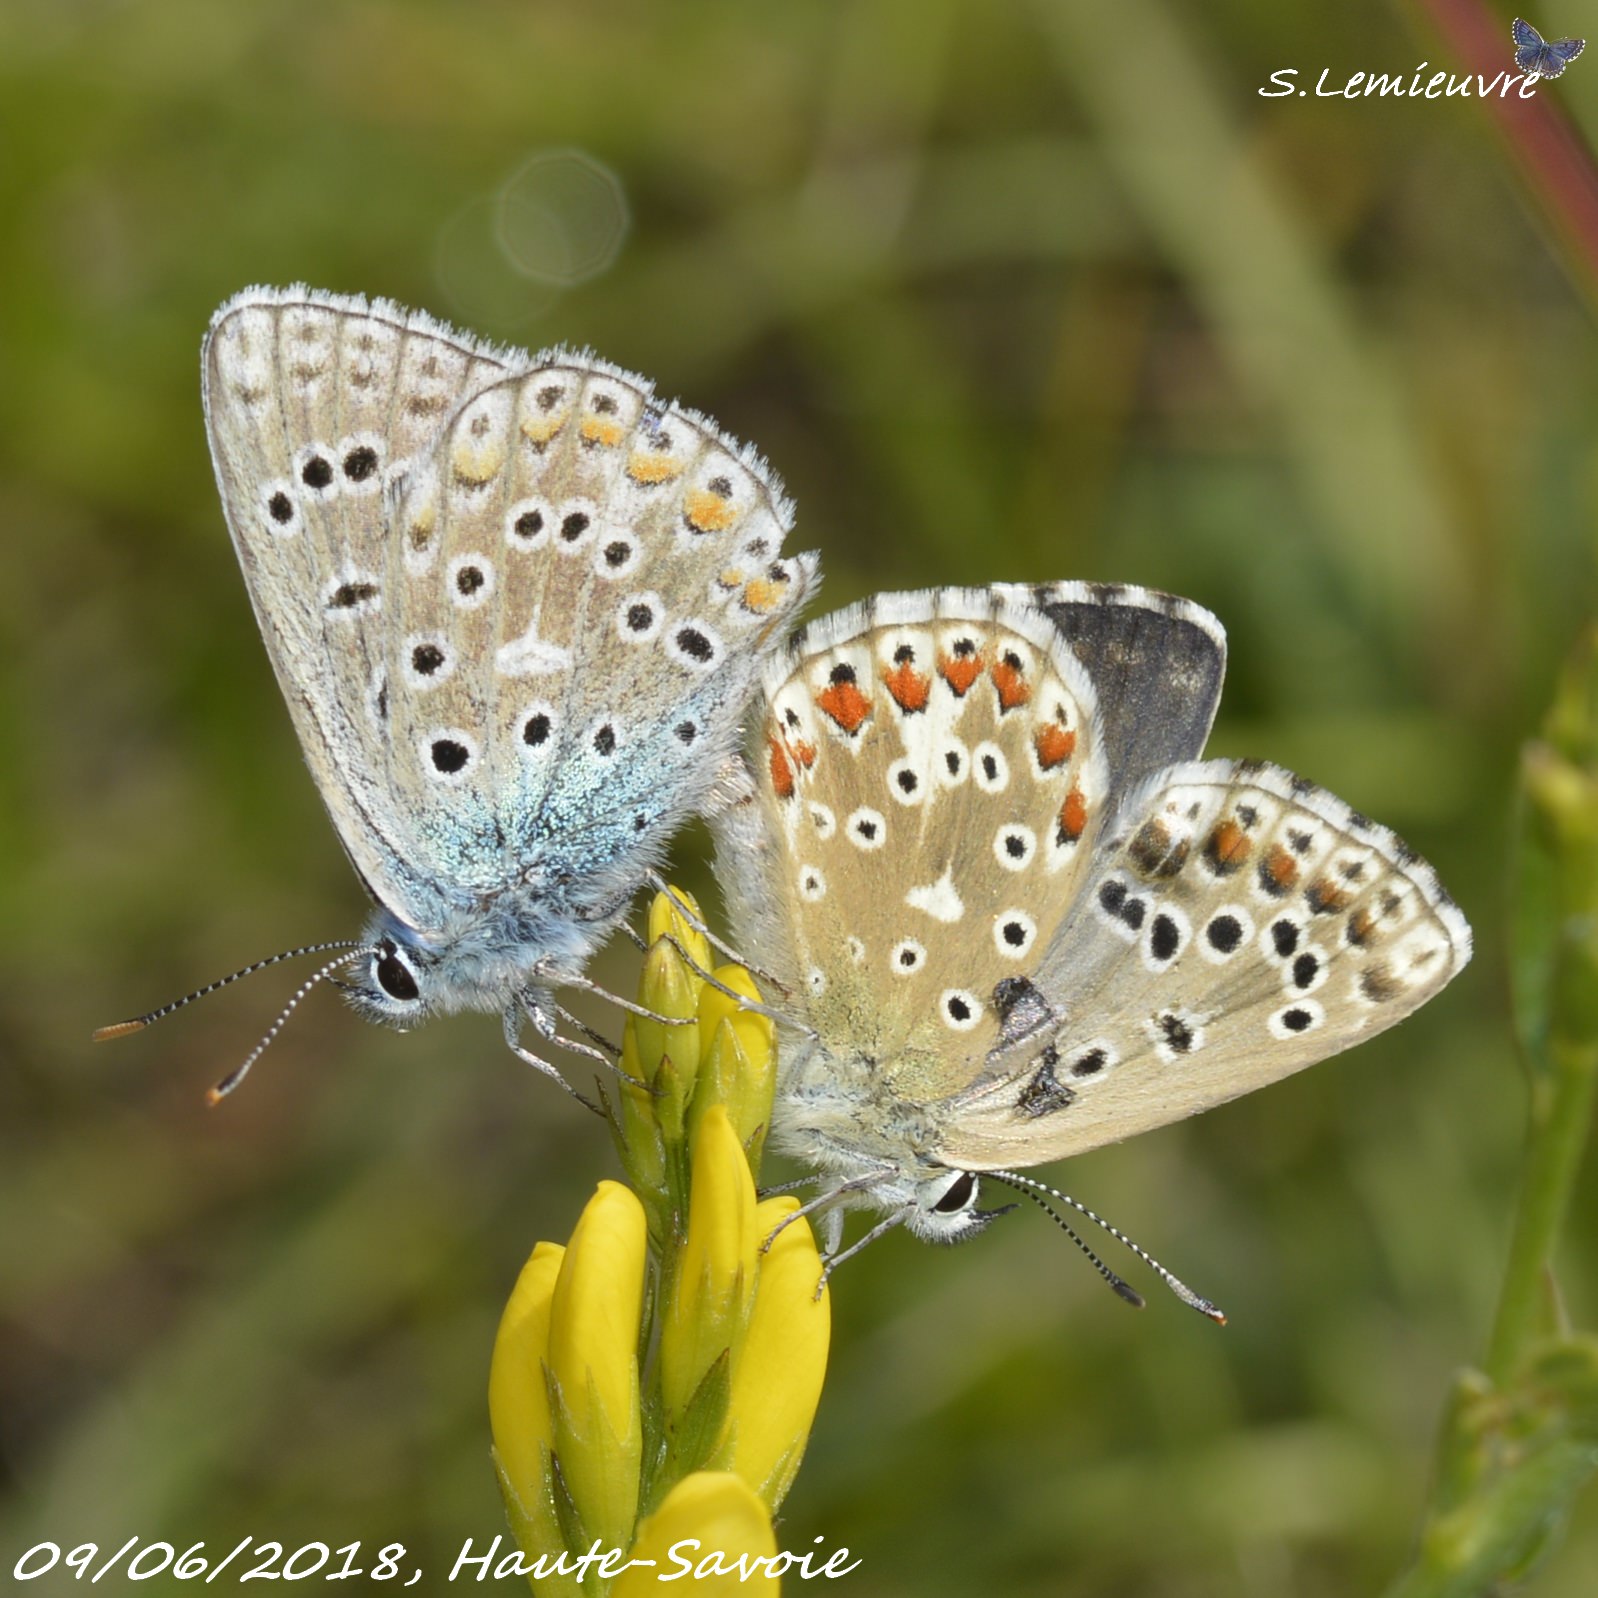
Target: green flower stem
x=1518, y=1442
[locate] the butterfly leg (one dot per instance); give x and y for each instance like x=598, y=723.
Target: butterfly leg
x=835, y=1260
x=597, y=1038
x=823, y=1201
x=569, y=980
x=545, y=1026
x=744, y=1001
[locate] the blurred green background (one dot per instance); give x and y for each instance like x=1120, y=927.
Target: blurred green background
x=1003, y=290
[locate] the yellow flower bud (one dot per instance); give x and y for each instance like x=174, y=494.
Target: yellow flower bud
x=708, y=1520
x=593, y=1363
x=738, y=1062
x=776, y=1380
x=715, y=1007
x=637, y=1132
x=518, y=1405
x=670, y=989
x=665, y=920
x=709, y=1300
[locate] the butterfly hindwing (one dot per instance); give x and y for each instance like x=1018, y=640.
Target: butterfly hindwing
x=1237, y=924
x=593, y=577
x=931, y=782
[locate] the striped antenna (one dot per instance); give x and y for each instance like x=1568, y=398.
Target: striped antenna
x=1036, y=1190
x=122, y=1029
x=214, y=1096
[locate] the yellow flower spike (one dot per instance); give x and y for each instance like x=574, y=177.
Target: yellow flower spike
x=666, y=920
x=711, y=1521
x=777, y=1377
x=593, y=1364
x=709, y=1299
x=518, y=1406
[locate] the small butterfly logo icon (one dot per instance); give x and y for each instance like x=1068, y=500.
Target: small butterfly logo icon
x=1540, y=57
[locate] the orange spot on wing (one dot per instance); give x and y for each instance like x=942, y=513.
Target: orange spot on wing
x=1278, y=871
x=760, y=596
x=538, y=430
x=782, y=778
x=960, y=671
x=1228, y=847
x=601, y=430
x=1073, y=816
x=1055, y=745
x=706, y=512
x=1014, y=690
x=909, y=687
x=1325, y=896
x=844, y=702
x=804, y=753
x=649, y=469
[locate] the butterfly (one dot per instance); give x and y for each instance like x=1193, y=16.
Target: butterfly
x=516, y=604
x=1543, y=58
x=1018, y=917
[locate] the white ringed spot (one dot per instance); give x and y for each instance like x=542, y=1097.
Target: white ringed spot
x=616, y=555
x=867, y=828
x=989, y=768
x=1014, y=933
x=959, y=1009
x=469, y=580
x=448, y=754
x=905, y=783
x=907, y=957
x=1229, y=930
x=695, y=645
x=528, y=523
x=1015, y=846
x=639, y=617
x=280, y=508
x=536, y=727
x=1293, y=1020
x=427, y=661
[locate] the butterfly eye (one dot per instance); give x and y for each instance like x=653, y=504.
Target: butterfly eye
x=394, y=977
x=959, y=1195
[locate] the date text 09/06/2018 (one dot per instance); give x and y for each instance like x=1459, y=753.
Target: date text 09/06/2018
x=1439, y=86
x=250, y=1559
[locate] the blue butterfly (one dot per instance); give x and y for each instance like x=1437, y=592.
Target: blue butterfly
x=517, y=605
x=1543, y=58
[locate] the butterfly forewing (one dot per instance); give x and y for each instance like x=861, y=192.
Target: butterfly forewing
x=931, y=783
x=316, y=407
x=1237, y=924
x=1156, y=663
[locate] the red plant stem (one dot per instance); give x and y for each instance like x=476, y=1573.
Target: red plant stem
x=1552, y=154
